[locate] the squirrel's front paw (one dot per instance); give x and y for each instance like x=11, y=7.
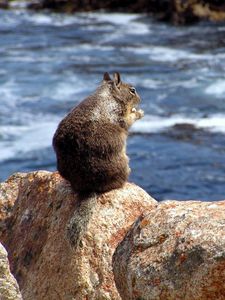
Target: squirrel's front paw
x=139, y=114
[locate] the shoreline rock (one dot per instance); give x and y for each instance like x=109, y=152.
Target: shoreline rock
x=8, y=194
x=4, y=4
x=9, y=289
x=176, y=251
x=180, y=12
x=40, y=239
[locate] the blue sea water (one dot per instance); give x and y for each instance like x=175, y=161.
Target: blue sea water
x=50, y=62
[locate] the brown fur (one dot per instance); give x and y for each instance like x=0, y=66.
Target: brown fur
x=90, y=142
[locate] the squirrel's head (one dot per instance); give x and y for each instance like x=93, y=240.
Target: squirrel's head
x=121, y=91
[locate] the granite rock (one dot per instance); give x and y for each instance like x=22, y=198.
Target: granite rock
x=8, y=193
x=9, y=289
x=175, y=252
x=41, y=237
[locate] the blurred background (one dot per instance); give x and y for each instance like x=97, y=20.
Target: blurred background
x=174, y=54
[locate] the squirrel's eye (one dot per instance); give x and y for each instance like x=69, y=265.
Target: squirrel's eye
x=133, y=90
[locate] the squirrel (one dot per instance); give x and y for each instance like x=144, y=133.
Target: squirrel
x=90, y=142
x=90, y=146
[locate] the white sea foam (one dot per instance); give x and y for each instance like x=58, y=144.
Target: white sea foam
x=19, y=140
x=81, y=18
x=137, y=28
x=127, y=24
x=152, y=124
x=7, y=21
x=141, y=50
x=8, y=94
x=40, y=19
x=115, y=18
x=43, y=19
x=188, y=84
x=150, y=83
x=65, y=90
x=166, y=54
x=18, y=4
x=222, y=28
x=217, y=88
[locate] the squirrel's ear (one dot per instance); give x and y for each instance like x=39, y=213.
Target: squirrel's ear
x=106, y=77
x=117, y=79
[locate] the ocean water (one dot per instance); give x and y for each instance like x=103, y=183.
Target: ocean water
x=50, y=62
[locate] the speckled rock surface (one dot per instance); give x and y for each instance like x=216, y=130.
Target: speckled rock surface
x=9, y=289
x=8, y=194
x=42, y=254
x=176, y=252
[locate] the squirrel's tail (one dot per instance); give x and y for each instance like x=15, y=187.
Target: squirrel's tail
x=78, y=223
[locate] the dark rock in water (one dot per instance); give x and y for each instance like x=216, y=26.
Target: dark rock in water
x=189, y=11
x=177, y=11
x=186, y=132
x=157, y=7
x=4, y=4
x=35, y=5
x=185, y=126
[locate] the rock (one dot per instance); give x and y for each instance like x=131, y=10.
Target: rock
x=190, y=11
x=41, y=232
x=9, y=289
x=161, y=9
x=8, y=194
x=4, y=4
x=177, y=11
x=175, y=252
x=110, y=5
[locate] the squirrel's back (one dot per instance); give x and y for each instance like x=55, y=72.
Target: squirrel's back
x=90, y=142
